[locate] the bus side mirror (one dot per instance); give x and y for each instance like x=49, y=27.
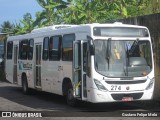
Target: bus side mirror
x=91, y=45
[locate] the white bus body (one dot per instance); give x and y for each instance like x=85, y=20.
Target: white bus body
x=93, y=62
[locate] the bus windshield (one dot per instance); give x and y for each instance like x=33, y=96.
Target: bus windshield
x=124, y=58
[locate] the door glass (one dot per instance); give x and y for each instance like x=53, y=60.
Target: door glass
x=84, y=56
x=38, y=54
x=77, y=56
x=15, y=64
x=77, y=68
x=84, y=69
x=15, y=55
x=38, y=65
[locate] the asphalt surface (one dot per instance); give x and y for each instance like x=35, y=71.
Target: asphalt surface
x=13, y=99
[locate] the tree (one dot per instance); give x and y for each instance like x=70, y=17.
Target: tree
x=38, y=23
x=85, y=11
x=7, y=27
x=27, y=23
x=153, y=6
x=50, y=14
x=18, y=29
x=136, y=7
x=81, y=12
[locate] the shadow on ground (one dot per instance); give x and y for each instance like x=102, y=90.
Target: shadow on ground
x=46, y=101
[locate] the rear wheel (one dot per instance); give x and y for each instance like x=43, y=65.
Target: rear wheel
x=70, y=97
x=25, y=85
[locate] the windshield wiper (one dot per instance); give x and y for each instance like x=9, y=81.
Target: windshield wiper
x=127, y=61
x=128, y=53
x=134, y=45
x=108, y=52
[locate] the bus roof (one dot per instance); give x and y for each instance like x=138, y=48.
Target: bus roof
x=68, y=28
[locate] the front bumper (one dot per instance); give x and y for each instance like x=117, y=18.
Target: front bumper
x=98, y=96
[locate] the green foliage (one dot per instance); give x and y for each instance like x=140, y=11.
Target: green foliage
x=7, y=27
x=50, y=14
x=81, y=12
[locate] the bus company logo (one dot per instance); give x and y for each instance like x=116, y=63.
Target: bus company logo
x=127, y=88
x=21, y=114
x=6, y=114
x=27, y=66
x=24, y=66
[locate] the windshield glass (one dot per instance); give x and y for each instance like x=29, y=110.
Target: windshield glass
x=123, y=58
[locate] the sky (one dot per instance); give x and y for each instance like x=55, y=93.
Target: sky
x=13, y=10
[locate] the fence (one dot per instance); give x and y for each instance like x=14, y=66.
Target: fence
x=153, y=23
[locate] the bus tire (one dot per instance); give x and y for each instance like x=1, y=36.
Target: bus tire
x=25, y=85
x=71, y=101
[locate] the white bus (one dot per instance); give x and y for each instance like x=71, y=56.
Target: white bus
x=97, y=63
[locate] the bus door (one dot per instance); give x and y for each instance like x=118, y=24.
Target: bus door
x=15, y=63
x=37, y=69
x=79, y=76
x=84, y=68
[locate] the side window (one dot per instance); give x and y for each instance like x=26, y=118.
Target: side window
x=54, y=48
x=9, y=50
x=23, y=49
x=45, y=48
x=30, y=49
x=67, y=47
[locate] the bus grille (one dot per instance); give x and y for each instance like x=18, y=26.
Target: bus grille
x=126, y=82
x=121, y=96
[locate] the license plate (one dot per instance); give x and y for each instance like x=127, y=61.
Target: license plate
x=127, y=98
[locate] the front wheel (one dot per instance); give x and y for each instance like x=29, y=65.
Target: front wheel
x=70, y=98
x=25, y=85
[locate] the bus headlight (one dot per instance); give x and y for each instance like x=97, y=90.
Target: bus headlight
x=99, y=85
x=151, y=83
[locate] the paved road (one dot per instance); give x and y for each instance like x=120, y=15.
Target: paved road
x=12, y=99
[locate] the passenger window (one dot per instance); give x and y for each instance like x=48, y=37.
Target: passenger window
x=23, y=50
x=67, y=47
x=45, y=48
x=30, y=51
x=54, y=49
x=9, y=50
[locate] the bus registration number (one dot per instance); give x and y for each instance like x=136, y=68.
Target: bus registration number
x=115, y=88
